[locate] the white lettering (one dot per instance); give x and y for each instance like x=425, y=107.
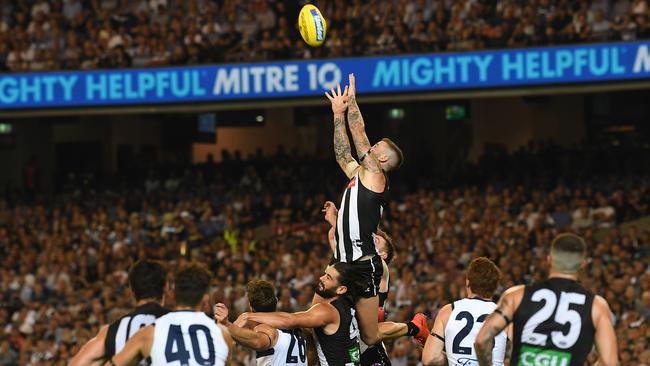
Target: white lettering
x=226, y=83
x=642, y=61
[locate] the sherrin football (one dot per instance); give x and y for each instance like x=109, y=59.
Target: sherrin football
x=312, y=25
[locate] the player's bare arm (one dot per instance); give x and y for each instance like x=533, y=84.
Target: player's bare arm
x=358, y=130
x=137, y=348
x=261, y=338
x=92, y=353
x=229, y=342
x=342, y=150
x=495, y=323
x=605, y=337
x=434, y=349
x=318, y=316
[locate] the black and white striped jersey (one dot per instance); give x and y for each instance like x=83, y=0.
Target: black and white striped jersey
x=358, y=219
x=125, y=327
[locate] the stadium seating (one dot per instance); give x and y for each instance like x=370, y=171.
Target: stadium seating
x=76, y=34
x=245, y=217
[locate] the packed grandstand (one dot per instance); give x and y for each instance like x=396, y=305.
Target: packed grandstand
x=236, y=216
x=76, y=34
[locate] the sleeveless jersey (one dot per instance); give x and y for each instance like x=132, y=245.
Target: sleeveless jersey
x=358, y=219
x=290, y=349
x=465, y=321
x=553, y=324
x=188, y=338
x=125, y=327
x=342, y=347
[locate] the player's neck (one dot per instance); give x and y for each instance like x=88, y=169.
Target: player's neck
x=147, y=300
x=185, y=307
x=471, y=295
x=323, y=300
x=568, y=276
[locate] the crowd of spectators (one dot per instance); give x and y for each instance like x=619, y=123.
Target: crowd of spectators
x=89, y=34
x=64, y=263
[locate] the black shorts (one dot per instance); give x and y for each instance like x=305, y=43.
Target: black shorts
x=370, y=272
x=375, y=355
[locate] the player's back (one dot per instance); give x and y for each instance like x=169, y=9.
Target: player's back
x=553, y=324
x=188, y=337
x=125, y=327
x=465, y=321
x=290, y=349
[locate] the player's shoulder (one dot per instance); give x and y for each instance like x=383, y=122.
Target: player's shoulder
x=600, y=304
x=514, y=291
x=445, y=312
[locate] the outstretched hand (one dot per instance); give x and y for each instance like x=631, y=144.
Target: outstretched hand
x=352, y=89
x=339, y=99
x=330, y=212
x=221, y=313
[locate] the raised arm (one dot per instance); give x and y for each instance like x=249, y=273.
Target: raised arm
x=342, y=150
x=261, y=338
x=495, y=323
x=358, y=131
x=331, y=214
x=605, y=337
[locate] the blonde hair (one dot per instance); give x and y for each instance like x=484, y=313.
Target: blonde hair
x=567, y=253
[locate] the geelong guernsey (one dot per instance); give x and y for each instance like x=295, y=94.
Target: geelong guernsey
x=188, y=338
x=358, y=219
x=465, y=321
x=290, y=349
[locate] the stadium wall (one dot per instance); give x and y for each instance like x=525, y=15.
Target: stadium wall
x=513, y=122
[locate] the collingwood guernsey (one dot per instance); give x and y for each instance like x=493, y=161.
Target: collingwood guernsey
x=358, y=219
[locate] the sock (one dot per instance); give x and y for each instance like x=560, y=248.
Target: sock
x=413, y=329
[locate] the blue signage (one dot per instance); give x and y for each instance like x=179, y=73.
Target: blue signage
x=389, y=74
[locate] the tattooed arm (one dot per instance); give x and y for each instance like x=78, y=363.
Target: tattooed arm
x=496, y=323
x=342, y=150
x=358, y=131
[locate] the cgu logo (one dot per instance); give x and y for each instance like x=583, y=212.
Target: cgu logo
x=531, y=358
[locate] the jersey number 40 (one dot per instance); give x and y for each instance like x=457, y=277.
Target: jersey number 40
x=175, y=349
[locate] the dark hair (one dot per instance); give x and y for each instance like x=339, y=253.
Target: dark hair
x=349, y=278
x=190, y=284
x=398, y=152
x=147, y=279
x=567, y=252
x=261, y=296
x=390, y=247
x=483, y=276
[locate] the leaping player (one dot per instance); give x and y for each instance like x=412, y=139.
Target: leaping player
x=362, y=203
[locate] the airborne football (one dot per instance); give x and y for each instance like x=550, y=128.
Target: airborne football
x=312, y=25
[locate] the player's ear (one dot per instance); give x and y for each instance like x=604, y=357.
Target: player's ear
x=341, y=290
